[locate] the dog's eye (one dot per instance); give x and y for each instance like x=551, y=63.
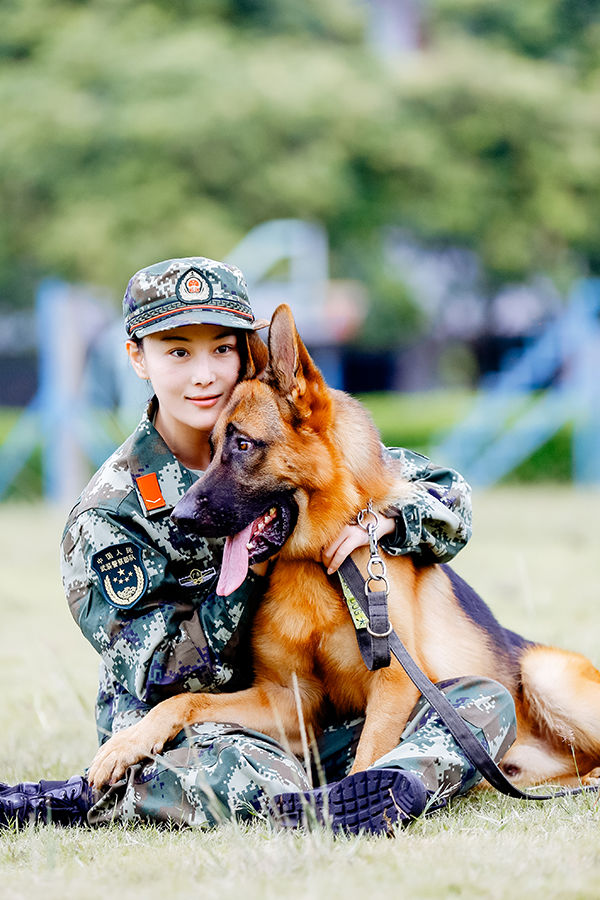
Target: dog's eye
x=243, y=445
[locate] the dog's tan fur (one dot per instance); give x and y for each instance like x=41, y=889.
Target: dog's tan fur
x=323, y=444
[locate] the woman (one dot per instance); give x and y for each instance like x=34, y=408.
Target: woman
x=144, y=594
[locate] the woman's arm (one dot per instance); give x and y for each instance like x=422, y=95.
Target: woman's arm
x=433, y=522
x=161, y=636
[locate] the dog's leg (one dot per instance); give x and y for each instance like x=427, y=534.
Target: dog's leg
x=562, y=692
x=559, y=718
x=392, y=697
x=269, y=708
x=534, y=759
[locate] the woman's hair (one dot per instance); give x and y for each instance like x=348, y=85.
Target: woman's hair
x=253, y=354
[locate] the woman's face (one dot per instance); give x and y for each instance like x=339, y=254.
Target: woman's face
x=193, y=370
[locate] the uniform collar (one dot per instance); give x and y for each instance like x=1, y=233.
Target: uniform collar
x=160, y=480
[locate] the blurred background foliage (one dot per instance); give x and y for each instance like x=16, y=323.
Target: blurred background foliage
x=138, y=130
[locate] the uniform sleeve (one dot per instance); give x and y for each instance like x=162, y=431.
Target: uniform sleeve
x=433, y=522
x=171, y=639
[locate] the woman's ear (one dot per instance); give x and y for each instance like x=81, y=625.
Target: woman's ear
x=135, y=352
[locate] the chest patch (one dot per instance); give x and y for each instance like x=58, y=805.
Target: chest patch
x=197, y=577
x=123, y=577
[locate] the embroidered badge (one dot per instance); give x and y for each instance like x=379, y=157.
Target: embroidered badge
x=123, y=577
x=196, y=577
x=149, y=488
x=193, y=287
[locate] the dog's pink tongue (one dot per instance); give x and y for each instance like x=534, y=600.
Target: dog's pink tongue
x=234, y=567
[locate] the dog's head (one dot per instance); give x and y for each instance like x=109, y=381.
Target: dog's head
x=276, y=452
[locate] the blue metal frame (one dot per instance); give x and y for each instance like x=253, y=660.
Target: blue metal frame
x=511, y=418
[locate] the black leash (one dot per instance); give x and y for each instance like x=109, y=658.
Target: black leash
x=381, y=639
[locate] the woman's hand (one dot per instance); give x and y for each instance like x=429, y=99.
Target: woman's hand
x=351, y=537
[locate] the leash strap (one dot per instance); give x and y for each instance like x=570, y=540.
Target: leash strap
x=453, y=721
x=372, y=625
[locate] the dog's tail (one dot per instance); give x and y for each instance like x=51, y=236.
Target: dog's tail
x=562, y=692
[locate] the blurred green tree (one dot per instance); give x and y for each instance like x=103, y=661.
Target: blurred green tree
x=134, y=131
x=566, y=31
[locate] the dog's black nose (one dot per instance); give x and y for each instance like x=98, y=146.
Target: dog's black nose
x=188, y=512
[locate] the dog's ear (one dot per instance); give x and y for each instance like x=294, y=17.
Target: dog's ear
x=254, y=357
x=290, y=370
x=284, y=369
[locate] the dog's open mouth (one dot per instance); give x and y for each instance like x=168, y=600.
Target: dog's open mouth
x=258, y=541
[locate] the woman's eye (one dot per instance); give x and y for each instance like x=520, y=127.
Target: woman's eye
x=225, y=348
x=179, y=352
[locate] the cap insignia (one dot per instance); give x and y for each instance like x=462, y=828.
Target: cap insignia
x=193, y=287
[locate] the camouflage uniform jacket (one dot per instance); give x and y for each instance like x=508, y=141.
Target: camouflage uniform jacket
x=144, y=594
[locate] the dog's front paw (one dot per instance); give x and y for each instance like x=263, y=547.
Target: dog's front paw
x=122, y=750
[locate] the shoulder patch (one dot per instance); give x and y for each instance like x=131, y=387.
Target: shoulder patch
x=123, y=577
x=149, y=488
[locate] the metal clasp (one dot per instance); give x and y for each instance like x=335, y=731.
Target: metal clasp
x=370, y=527
x=375, y=560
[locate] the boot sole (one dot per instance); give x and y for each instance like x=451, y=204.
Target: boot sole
x=372, y=801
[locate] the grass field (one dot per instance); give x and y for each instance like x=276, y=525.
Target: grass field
x=535, y=559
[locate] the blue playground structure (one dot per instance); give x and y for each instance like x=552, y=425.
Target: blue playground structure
x=515, y=414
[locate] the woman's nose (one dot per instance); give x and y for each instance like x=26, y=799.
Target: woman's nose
x=203, y=372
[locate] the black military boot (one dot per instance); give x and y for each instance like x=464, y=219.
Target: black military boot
x=46, y=802
x=373, y=801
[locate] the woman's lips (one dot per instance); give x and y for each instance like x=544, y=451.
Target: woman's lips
x=204, y=402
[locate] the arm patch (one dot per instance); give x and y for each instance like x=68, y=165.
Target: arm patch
x=122, y=574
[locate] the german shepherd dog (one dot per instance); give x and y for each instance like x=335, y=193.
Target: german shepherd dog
x=294, y=461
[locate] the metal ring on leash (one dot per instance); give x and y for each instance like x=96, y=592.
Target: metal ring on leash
x=360, y=518
x=376, y=561
x=382, y=634
x=371, y=578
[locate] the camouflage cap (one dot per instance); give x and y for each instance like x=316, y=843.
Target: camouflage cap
x=188, y=291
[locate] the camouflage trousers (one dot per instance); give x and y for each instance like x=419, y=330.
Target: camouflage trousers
x=213, y=772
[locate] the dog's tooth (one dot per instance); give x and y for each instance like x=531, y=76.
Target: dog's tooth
x=249, y=546
x=273, y=511
x=260, y=526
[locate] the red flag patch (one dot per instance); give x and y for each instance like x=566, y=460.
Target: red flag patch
x=149, y=488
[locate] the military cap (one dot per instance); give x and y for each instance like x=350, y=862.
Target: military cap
x=188, y=291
